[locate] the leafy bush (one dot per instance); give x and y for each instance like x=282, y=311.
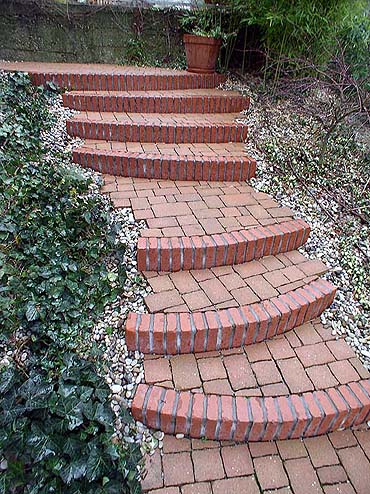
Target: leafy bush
x=57, y=436
x=56, y=422
x=309, y=30
x=54, y=234
x=304, y=28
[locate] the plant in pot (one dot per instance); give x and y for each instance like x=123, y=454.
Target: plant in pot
x=203, y=38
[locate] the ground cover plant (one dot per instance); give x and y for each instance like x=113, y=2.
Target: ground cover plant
x=57, y=246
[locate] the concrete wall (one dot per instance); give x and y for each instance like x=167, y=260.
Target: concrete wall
x=53, y=31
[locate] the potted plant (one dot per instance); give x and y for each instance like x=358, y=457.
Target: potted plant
x=203, y=39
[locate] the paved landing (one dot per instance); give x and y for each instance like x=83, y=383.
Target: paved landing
x=338, y=463
x=231, y=286
x=305, y=359
x=173, y=208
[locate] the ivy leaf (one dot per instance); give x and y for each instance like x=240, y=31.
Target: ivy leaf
x=8, y=379
x=31, y=312
x=95, y=465
x=103, y=414
x=73, y=471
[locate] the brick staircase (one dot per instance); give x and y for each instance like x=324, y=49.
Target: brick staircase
x=234, y=349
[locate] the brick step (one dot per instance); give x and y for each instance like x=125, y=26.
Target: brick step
x=207, y=251
x=196, y=225
x=179, y=101
x=166, y=161
x=213, y=330
x=247, y=419
x=104, y=77
x=158, y=127
x=228, y=287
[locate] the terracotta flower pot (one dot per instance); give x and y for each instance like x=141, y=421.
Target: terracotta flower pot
x=201, y=53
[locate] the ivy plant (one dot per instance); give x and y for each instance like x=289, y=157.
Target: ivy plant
x=56, y=435
x=54, y=234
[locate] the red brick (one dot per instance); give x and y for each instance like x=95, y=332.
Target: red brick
x=266, y=372
x=262, y=449
x=157, y=370
x=342, y=439
x=316, y=354
x=197, y=488
x=302, y=476
x=236, y=485
x=270, y=472
x=292, y=448
x=332, y=474
x=207, y=465
x=294, y=375
x=211, y=369
x=239, y=372
x=237, y=460
x=185, y=372
x=343, y=371
x=153, y=465
x=173, y=475
x=321, y=451
x=354, y=462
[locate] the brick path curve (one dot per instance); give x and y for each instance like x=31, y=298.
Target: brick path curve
x=233, y=347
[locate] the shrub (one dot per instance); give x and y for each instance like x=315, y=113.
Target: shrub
x=309, y=29
x=54, y=234
x=56, y=422
x=56, y=435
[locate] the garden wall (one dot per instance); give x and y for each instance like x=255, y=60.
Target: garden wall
x=57, y=32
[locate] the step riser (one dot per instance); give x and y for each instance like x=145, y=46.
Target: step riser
x=128, y=82
x=168, y=167
x=185, y=253
x=148, y=104
x=154, y=133
x=252, y=419
x=171, y=334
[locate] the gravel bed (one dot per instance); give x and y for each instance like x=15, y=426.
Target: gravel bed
x=347, y=316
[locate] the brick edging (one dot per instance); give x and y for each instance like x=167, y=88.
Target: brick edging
x=236, y=418
x=194, y=252
x=127, y=82
x=173, y=167
x=165, y=132
x=185, y=332
x=154, y=103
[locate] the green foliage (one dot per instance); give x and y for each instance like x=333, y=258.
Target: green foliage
x=54, y=234
x=203, y=22
x=56, y=436
x=304, y=28
x=56, y=422
x=356, y=41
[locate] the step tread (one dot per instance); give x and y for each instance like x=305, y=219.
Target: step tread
x=89, y=68
x=106, y=77
x=305, y=359
x=170, y=93
x=254, y=312
x=215, y=223
x=190, y=119
x=329, y=464
x=198, y=150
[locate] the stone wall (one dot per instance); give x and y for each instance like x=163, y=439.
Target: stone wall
x=54, y=31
